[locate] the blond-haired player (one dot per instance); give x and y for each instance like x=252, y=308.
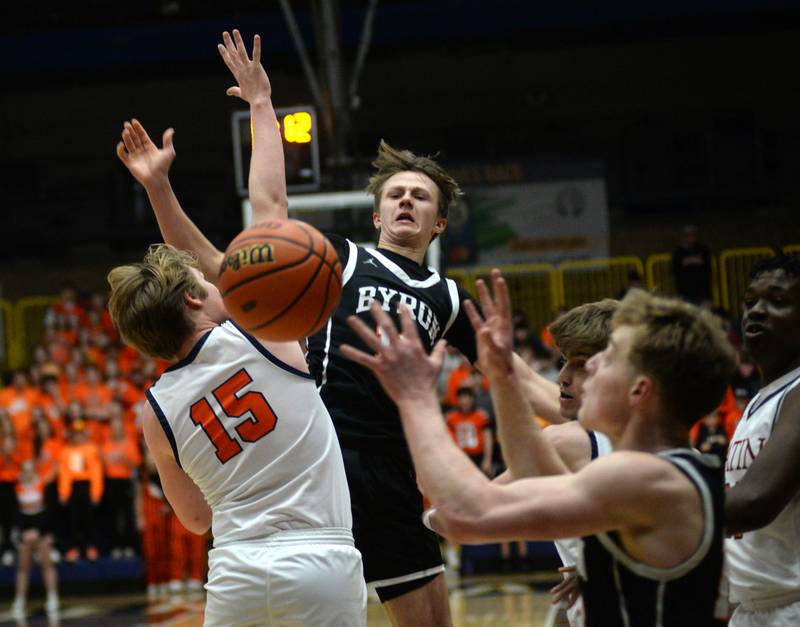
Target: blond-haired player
x=651, y=511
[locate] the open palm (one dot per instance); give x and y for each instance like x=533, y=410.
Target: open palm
x=146, y=161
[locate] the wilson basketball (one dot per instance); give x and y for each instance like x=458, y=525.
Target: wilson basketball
x=281, y=280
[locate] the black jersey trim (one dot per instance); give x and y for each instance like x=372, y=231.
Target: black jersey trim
x=164, y=425
x=593, y=443
x=263, y=350
x=191, y=355
x=669, y=574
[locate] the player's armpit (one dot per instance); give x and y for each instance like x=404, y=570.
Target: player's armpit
x=772, y=480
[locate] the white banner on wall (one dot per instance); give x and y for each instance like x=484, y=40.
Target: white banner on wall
x=528, y=222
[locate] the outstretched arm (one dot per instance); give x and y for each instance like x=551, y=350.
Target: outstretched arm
x=267, y=179
x=526, y=450
x=541, y=393
x=150, y=165
x=469, y=508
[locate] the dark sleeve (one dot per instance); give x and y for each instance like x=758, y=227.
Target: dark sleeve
x=339, y=243
x=461, y=335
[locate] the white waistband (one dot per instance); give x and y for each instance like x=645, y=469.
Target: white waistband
x=325, y=535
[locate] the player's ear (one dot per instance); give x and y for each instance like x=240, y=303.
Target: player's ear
x=440, y=225
x=192, y=301
x=640, y=391
x=376, y=219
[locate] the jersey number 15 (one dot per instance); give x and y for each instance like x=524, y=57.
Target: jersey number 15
x=260, y=422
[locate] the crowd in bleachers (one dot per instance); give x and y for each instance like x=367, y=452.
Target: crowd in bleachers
x=74, y=412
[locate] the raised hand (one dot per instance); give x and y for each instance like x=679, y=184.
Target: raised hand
x=249, y=73
x=400, y=362
x=494, y=334
x=568, y=591
x=146, y=161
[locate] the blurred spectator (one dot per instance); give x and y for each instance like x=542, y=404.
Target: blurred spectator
x=67, y=310
x=746, y=379
x=47, y=447
x=691, y=267
x=188, y=557
x=10, y=462
x=465, y=374
x=711, y=438
x=93, y=394
x=35, y=536
x=80, y=488
x=121, y=458
x=69, y=383
x=155, y=516
x=471, y=429
x=18, y=399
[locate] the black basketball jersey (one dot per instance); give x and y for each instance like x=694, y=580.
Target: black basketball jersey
x=619, y=591
x=364, y=416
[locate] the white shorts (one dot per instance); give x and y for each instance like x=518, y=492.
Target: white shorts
x=308, y=577
x=782, y=616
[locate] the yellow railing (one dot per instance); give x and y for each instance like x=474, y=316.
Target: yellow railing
x=590, y=280
x=29, y=325
x=8, y=336
x=734, y=271
x=533, y=288
x=791, y=249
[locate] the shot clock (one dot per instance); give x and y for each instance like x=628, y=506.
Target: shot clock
x=298, y=128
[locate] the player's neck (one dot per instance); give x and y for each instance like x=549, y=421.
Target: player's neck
x=201, y=327
x=772, y=371
x=415, y=253
x=651, y=434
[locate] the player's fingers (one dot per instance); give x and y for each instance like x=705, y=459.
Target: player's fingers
x=485, y=298
x=384, y=322
x=437, y=354
x=564, y=586
x=360, y=357
x=127, y=139
x=140, y=135
x=241, y=50
x=369, y=336
x=234, y=91
x=567, y=569
x=167, y=138
x=256, y=49
x=573, y=597
x=121, y=153
x=502, y=300
x=226, y=57
x=407, y=325
x=230, y=49
x=473, y=315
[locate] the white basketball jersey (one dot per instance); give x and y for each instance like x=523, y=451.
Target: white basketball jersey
x=253, y=434
x=763, y=565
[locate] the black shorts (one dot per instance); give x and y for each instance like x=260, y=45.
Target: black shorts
x=397, y=550
x=37, y=522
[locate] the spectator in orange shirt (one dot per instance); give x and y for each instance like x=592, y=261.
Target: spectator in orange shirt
x=47, y=447
x=10, y=461
x=80, y=488
x=94, y=395
x=18, y=399
x=33, y=523
x=471, y=430
x=67, y=308
x=72, y=378
x=462, y=376
x=121, y=457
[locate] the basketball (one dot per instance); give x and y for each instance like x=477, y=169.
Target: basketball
x=281, y=280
